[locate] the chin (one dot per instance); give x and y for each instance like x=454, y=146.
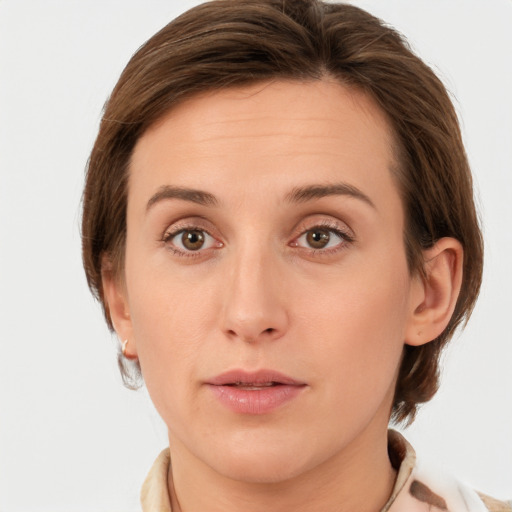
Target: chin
x=269, y=469
x=266, y=462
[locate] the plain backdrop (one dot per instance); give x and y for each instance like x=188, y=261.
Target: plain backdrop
x=71, y=437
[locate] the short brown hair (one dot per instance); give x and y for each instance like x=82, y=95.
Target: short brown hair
x=227, y=43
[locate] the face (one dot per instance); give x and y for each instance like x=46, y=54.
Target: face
x=266, y=289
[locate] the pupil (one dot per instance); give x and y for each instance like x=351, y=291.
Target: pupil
x=193, y=240
x=318, y=238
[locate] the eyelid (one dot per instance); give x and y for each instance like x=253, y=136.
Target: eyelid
x=320, y=221
x=189, y=223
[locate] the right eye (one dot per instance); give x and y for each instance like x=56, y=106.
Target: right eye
x=190, y=240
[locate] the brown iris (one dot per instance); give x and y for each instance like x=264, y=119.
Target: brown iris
x=193, y=239
x=318, y=238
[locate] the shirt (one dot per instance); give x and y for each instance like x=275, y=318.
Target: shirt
x=417, y=488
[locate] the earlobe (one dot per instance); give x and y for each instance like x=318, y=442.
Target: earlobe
x=115, y=296
x=435, y=293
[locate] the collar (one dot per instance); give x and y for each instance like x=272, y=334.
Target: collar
x=154, y=494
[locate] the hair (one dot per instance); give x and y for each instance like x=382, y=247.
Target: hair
x=232, y=43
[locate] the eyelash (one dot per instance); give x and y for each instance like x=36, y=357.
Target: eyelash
x=343, y=234
x=170, y=235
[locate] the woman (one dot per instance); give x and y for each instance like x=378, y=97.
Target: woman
x=279, y=223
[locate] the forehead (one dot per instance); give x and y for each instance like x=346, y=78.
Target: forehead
x=267, y=133
x=315, y=102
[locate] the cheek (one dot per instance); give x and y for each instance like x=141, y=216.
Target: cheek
x=359, y=325
x=172, y=315
x=169, y=336
x=169, y=318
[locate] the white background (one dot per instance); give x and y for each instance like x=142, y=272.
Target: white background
x=71, y=437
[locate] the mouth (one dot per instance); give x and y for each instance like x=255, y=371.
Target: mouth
x=257, y=380
x=254, y=392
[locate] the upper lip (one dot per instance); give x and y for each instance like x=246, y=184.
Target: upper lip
x=259, y=377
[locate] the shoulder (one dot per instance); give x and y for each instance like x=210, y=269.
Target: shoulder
x=494, y=505
x=424, y=488
x=447, y=493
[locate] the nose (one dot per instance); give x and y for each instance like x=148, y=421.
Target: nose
x=254, y=299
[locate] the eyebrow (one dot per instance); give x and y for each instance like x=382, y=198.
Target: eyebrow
x=311, y=192
x=185, y=194
x=297, y=195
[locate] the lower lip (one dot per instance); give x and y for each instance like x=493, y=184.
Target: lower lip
x=255, y=401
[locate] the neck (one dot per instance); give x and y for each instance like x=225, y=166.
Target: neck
x=360, y=478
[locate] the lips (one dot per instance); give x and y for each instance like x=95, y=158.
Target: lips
x=254, y=392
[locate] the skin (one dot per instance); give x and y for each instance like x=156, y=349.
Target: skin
x=256, y=295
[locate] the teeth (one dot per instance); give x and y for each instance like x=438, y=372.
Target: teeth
x=250, y=385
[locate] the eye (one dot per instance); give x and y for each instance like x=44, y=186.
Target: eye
x=191, y=240
x=322, y=237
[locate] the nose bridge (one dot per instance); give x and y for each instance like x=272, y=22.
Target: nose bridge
x=253, y=307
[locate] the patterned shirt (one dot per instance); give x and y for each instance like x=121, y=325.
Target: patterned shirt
x=417, y=488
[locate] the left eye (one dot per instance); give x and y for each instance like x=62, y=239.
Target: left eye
x=320, y=238
x=191, y=240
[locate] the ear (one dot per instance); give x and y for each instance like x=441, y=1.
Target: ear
x=116, y=298
x=434, y=295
